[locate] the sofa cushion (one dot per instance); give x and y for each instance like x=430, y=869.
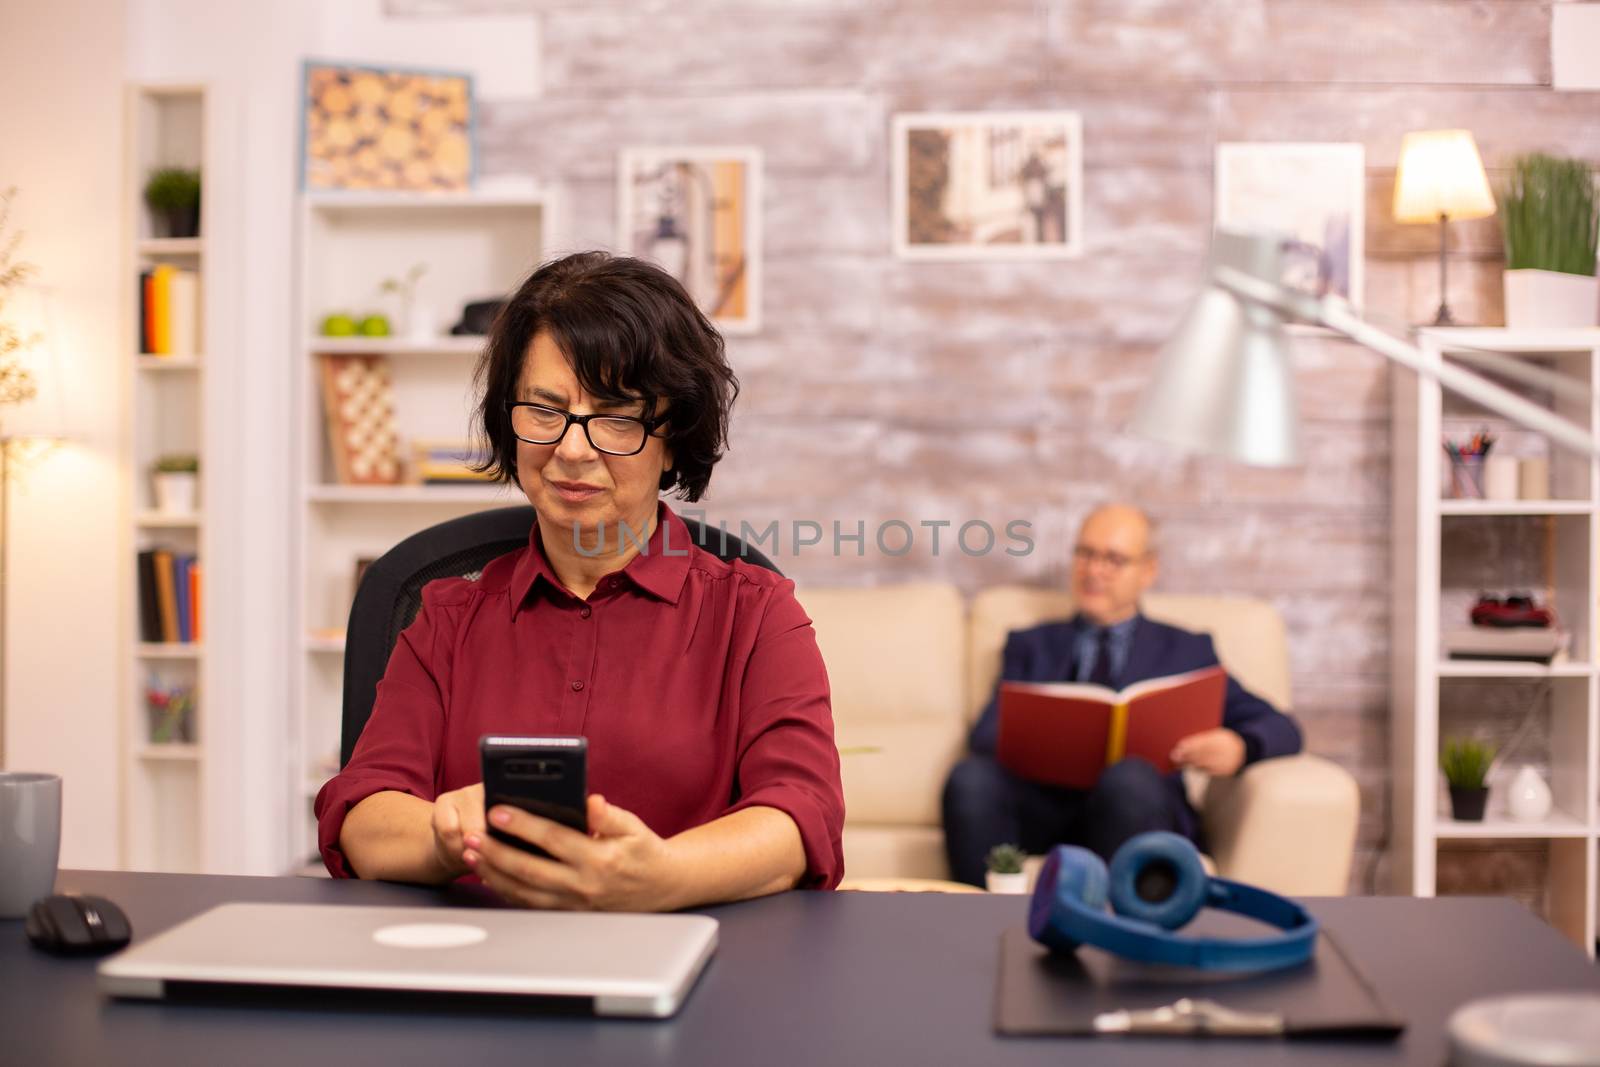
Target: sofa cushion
x=896, y=658
x=1249, y=634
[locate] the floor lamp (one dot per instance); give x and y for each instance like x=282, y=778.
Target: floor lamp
x=31, y=427
x=1225, y=385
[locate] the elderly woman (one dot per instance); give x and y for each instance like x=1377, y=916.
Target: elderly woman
x=696, y=681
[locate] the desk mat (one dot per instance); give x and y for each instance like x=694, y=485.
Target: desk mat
x=1039, y=993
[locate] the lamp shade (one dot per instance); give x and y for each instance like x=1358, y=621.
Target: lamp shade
x=1441, y=174
x=1223, y=383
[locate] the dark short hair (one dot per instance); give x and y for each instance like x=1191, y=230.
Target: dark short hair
x=631, y=331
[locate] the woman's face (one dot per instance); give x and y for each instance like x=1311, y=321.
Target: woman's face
x=570, y=483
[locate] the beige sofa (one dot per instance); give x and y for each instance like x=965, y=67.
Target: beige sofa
x=910, y=666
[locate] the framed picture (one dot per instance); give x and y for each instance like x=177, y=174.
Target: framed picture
x=988, y=185
x=385, y=129
x=696, y=212
x=1313, y=193
x=358, y=405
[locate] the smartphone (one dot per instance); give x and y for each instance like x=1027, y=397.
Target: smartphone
x=547, y=776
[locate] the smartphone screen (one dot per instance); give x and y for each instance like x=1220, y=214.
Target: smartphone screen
x=547, y=776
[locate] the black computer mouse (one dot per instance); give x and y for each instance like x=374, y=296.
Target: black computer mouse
x=74, y=925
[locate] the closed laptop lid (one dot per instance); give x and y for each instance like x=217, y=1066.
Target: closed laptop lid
x=628, y=964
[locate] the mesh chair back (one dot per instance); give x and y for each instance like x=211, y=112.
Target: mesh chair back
x=391, y=592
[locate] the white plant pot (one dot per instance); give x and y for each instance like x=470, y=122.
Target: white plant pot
x=176, y=492
x=1006, y=883
x=1538, y=299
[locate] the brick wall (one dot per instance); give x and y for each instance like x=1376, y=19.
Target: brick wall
x=882, y=389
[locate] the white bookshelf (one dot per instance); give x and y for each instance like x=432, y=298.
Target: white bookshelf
x=1444, y=552
x=476, y=246
x=163, y=785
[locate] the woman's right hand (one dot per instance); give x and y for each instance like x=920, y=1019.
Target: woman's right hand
x=455, y=815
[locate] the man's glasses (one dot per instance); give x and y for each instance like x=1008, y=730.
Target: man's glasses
x=615, y=435
x=1115, y=560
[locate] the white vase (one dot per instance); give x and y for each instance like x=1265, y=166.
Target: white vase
x=422, y=324
x=175, y=492
x=1528, y=797
x=1538, y=299
x=1006, y=883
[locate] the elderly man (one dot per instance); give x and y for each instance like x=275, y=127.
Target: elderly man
x=1108, y=643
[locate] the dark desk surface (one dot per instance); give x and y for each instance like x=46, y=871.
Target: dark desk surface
x=803, y=978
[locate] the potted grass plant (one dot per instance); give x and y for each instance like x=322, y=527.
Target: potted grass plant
x=176, y=479
x=1005, y=874
x=1465, y=764
x=173, y=196
x=1550, y=215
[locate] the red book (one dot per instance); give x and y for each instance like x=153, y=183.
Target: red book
x=195, y=601
x=1066, y=733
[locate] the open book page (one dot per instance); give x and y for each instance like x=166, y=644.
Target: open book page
x=1066, y=733
x=1159, y=717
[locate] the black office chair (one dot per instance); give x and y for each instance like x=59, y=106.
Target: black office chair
x=391, y=592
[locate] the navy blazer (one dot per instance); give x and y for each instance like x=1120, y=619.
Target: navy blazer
x=1045, y=654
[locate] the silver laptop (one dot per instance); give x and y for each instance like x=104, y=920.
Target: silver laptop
x=638, y=965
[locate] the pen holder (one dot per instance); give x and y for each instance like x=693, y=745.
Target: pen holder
x=1466, y=477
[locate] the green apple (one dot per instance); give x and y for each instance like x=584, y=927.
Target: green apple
x=374, y=326
x=339, y=325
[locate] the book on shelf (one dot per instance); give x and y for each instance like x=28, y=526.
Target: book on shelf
x=169, y=311
x=1067, y=733
x=149, y=602
x=447, y=462
x=196, y=629
x=169, y=597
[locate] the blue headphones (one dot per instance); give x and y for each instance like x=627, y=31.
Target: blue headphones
x=1156, y=884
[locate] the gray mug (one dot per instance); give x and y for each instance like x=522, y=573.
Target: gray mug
x=30, y=839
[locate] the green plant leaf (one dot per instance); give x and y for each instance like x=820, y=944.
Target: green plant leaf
x=1550, y=215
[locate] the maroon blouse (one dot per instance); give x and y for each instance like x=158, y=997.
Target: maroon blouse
x=697, y=682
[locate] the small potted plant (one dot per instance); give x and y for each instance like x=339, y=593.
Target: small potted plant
x=1005, y=873
x=1550, y=214
x=173, y=196
x=1465, y=763
x=176, y=478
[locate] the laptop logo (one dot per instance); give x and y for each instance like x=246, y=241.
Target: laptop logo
x=430, y=935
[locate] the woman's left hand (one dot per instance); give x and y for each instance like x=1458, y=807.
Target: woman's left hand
x=621, y=865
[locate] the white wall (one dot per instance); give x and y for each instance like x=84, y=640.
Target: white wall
x=61, y=145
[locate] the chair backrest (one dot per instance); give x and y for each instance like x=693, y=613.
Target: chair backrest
x=391, y=592
x=1250, y=636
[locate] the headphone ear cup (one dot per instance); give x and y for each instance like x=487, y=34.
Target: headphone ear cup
x=1158, y=878
x=1071, y=888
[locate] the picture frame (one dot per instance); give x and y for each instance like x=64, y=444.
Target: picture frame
x=987, y=185
x=696, y=212
x=1312, y=192
x=386, y=129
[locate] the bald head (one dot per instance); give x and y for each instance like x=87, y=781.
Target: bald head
x=1127, y=521
x=1113, y=562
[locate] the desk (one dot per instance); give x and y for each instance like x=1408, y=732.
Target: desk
x=808, y=979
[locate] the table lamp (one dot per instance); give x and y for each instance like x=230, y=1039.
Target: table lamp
x=1224, y=384
x=1441, y=178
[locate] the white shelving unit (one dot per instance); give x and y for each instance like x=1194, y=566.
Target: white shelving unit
x=163, y=784
x=475, y=246
x=1444, y=552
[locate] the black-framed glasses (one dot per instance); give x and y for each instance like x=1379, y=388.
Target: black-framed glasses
x=615, y=435
x=1114, y=560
